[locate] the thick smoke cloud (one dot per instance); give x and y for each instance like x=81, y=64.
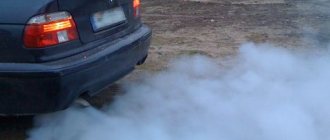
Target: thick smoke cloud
x=267, y=93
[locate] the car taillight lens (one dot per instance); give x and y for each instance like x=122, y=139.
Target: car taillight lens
x=49, y=29
x=136, y=6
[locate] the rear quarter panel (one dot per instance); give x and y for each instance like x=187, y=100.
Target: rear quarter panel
x=14, y=14
x=19, y=11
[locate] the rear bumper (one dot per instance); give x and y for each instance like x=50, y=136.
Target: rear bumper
x=52, y=86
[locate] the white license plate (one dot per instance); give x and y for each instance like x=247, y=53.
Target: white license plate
x=103, y=19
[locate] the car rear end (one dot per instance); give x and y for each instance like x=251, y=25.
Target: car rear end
x=52, y=51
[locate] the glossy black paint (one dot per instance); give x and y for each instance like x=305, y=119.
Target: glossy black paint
x=14, y=14
x=20, y=11
x=52, y=86
x=82, y=10
x=49, y=79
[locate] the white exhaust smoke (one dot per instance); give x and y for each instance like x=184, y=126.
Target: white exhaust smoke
x=267, y=94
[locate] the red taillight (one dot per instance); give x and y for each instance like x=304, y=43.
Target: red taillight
x=136, y=6
x=50, y=29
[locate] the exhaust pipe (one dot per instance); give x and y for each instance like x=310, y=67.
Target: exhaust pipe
x=80, y=102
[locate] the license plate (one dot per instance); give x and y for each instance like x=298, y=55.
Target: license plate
x=108, y=18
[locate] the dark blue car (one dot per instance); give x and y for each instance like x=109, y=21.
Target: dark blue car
x=53, y=51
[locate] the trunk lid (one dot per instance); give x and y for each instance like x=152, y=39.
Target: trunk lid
x=86, y=12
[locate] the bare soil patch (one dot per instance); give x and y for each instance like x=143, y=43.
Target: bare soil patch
x=217, y=27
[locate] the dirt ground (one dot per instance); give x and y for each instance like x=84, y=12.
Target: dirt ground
x=215, y=28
